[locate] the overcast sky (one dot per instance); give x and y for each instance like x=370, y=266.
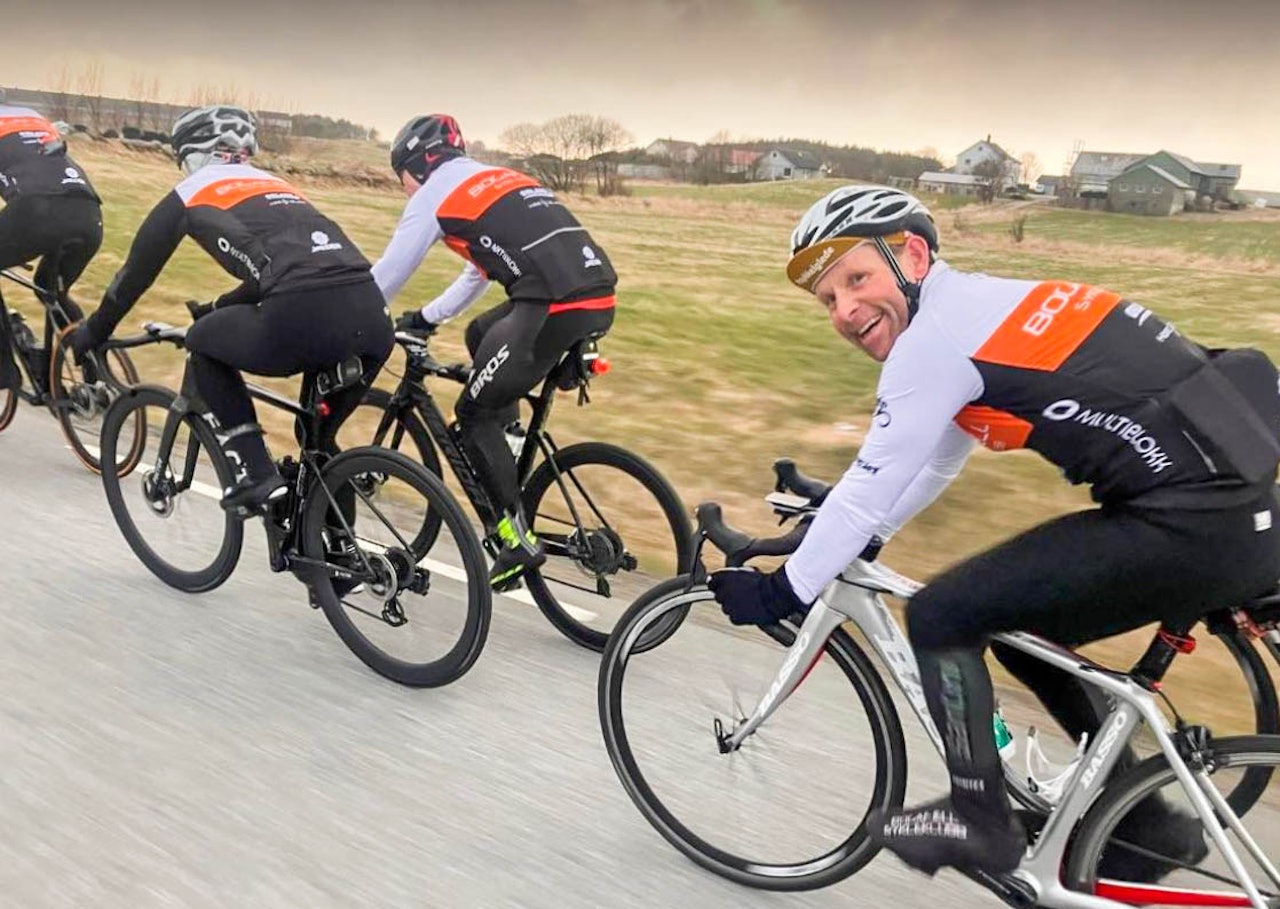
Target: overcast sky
x=1201, y=79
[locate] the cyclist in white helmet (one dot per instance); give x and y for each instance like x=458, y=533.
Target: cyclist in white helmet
x=1179, y=444
x=306, y=300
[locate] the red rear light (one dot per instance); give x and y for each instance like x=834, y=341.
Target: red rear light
x=599, y=366
x=324, y=409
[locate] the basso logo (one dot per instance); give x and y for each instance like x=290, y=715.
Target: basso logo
x=240, y=256
x=1058, y=299
x=485, y=376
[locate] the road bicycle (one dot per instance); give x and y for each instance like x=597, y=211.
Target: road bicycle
x=611, y=523
x=351, y=526
x=712, y=778
x=76, y=393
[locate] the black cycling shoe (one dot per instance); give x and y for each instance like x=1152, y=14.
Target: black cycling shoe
x=935, y=835
x=251, y=497
x=1156, y=827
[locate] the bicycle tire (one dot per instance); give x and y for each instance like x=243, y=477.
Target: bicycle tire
x=406, y=424
x=8, y=408
x=460, y=658
x=123, y=373
x=228, y=554
x=1123, y=792
x=1266, y=713
x=543, y=481
x=891, y=756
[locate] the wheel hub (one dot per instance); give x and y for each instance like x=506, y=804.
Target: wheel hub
x=157, y=490
x=599, y=552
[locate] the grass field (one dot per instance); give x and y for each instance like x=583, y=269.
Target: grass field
x=720, y=365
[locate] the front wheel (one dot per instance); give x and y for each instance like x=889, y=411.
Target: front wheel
x=167, y=502
x=416, y=612
x=785, y=811
x=1142, y=842
x=613, y=527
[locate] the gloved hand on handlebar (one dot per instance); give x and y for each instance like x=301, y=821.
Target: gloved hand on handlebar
x=751, y=597
x=412, y=320
x=82, y=339
x=198, y=309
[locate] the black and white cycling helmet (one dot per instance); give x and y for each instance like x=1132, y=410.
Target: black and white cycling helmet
x=424, y=143
x=218, y=131
x=848, y=216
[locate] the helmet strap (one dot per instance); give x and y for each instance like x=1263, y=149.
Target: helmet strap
x=910, y=289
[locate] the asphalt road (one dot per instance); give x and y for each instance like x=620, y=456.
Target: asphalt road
x=161, y=749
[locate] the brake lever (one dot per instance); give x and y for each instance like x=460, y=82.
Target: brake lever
x=697, y=570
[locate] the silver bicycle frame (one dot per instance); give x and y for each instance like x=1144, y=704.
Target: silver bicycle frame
x=857, y=596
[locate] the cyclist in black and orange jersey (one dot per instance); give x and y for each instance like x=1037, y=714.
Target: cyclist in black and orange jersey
x=50, y=207
x=1178, y=442
x=559, y=285
x=306, y=300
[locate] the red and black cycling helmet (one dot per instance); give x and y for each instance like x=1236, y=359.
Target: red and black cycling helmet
x=424, y=143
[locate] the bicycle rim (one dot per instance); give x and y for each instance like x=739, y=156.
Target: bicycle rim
x=418, y=616
x=786, y=811
x=170, y=514
x=612, y=527
x=1129, y=849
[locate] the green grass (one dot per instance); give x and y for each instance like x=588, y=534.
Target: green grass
x=720, y=365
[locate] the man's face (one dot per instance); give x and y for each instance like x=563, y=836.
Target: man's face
x=862, y=297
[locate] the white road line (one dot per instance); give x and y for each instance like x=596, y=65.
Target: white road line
x=437, y=567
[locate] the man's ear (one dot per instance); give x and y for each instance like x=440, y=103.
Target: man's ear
x=915, y=255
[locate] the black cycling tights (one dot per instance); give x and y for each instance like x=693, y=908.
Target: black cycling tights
x=287, y=334
x=513, y=346
x=32, y=227
x=1076, y=579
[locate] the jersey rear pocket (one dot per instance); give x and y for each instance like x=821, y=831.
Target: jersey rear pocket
x=571, y=262
x=1233, y=403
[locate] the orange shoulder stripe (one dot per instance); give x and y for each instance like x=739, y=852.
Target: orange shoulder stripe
x=475, y=194
x=1048, y=325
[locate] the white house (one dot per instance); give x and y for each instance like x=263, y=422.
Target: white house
x=953, y=184
x=982, y=153
x=787, y=164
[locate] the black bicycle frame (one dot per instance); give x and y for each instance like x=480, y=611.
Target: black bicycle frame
x=412, y=393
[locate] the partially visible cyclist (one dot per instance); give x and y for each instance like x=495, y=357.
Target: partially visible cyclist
x=306, y=300
x=1178, y=442
x=50, y=208
x=559, y=285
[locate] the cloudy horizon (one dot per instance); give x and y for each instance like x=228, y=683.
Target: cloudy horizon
x=1137, y=76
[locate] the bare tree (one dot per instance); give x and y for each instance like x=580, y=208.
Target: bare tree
x=563, y=151
x=1030, y=167
x=61, y=106
x=991, y=172
x=89, y=84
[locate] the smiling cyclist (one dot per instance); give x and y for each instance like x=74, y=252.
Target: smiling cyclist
x=1178, y=443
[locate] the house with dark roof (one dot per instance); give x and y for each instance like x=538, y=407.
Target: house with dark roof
x=1208, y=183
x=1147, y=188
x=787, y=164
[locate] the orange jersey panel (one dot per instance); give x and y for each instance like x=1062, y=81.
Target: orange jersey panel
x=225, y=194
x=11, y=125
x=473, y=196
x=995, y=429
x=1047, y=326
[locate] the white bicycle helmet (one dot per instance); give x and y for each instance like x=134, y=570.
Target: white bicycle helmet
x=220, y=130
x=846, y=217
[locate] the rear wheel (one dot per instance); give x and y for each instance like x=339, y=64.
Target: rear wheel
x=413, y=612
x=168, y=508
x=1119, y=852
x=613, y=527
x=79, y=397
